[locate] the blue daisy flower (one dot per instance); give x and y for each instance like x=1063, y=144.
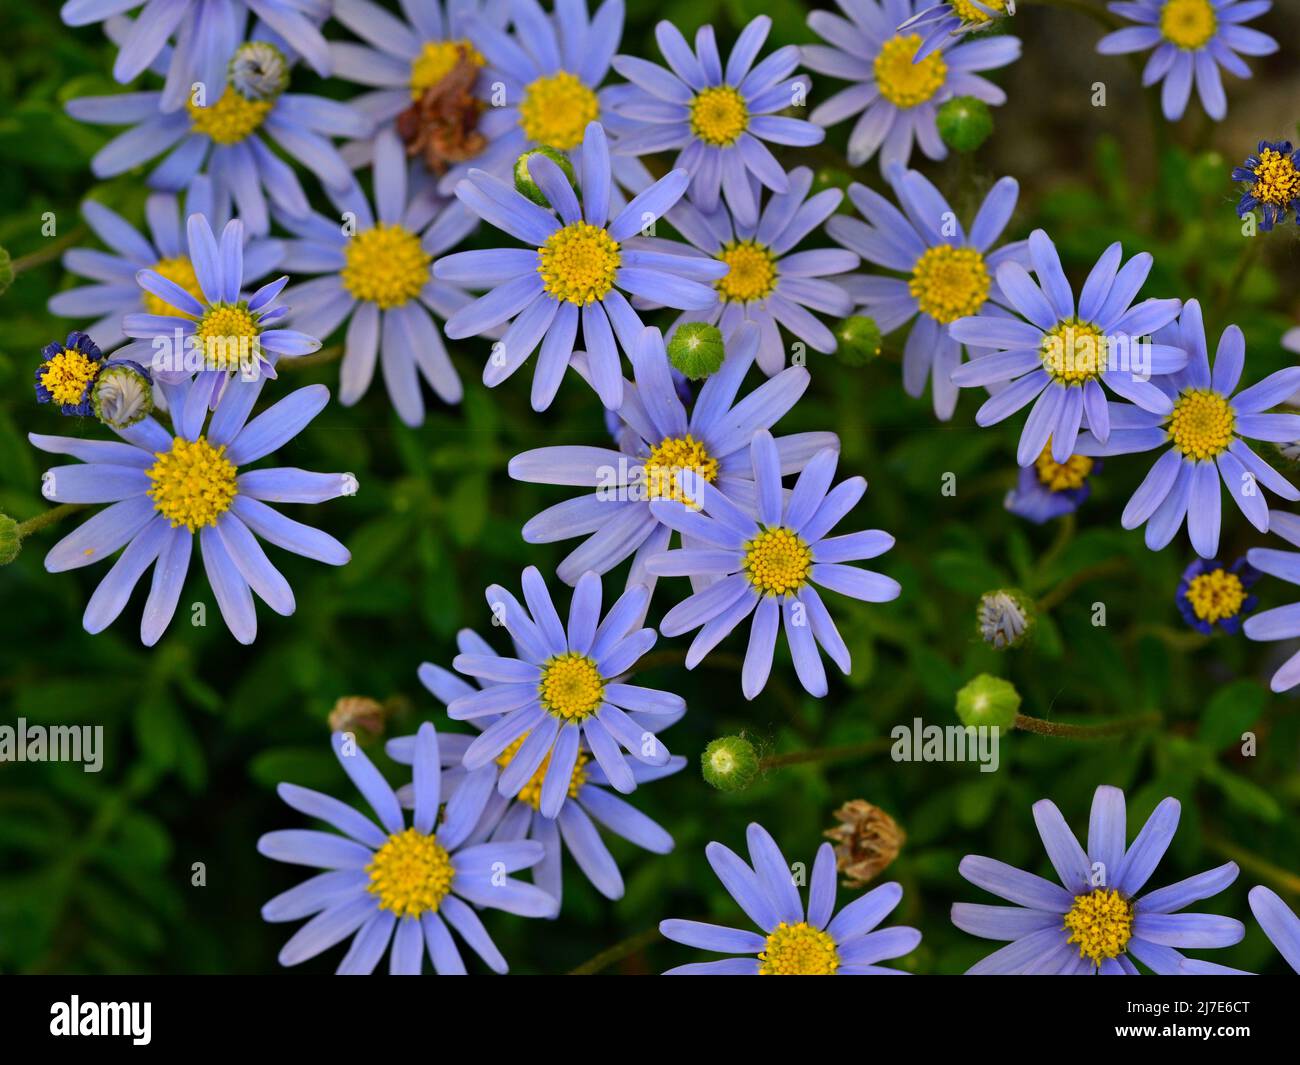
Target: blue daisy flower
x=1283, y=622
x=1280, y=925
x=1211, y=594
x=575, y=272
x=950, y=274
x=226, y=138
x=717, y=120
x=379, y=280
x=1273, y=174
x=1097, y=923
x=766, y=281
x=1206, y=426
x=1049, y=489
x=564, y=688
x=1192, y=40
x=941, y=22
x=165, y=487
x=770, y=567
x=429, y=50
x=897, y=94
x=589, y=806
x=165, y=249
x=795, y=941
x=658, y=441
x=1059, y=357
x=67, y=372
x=411, y=885
x=205, y=32
x=221, y=333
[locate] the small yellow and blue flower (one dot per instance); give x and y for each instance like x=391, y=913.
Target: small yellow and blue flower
x=1211, y=594
x=1049, y=489
x=66, y=375
x=1273, y=177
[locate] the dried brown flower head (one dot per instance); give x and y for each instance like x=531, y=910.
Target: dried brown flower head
x=358, y=714
x=866, y=840
x=442, y=125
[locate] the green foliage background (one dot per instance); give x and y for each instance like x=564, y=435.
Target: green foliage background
x=95, y=870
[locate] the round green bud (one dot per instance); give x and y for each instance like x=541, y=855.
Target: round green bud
x=730, y=763
x=988, y=700
x=831, y=177
x=6, y=271
x=524, y=182
x=122, y=395
x=965, y=123
x=10, y=542
x=1004, y=618
x=857, y=340
x=696, y=349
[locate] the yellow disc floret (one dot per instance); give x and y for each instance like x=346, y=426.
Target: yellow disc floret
x=411, y=874
x=571, y=687
x=531, y=793
x=1188, y=24
x=777, y=561
x=1215, y=595
x=1074, y=352
x=798, y=950
x=556, y=110
x=968, y=12
x=670, y=457
x=385, y=265
x=436, y=60
x=1101, y=922
x=1062, y=476
x=902, y=82
x=753, y=271
x=578, y=263
x=719, y=115
x=949, y=283
x=67, y=375
x=193, y=483
x=1276, y=179
x=1202, y=423
x=227, y=335
x=180, y=271
x=231, y=119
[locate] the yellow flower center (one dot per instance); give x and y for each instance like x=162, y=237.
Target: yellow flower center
x=66, y=376
x=1101, y=922
x=905, y=83
x=1215, y=595
x=231, y=119
x=670, y=457
x=1201, y=424
x=753, y=271
x=1074, y=352
x=556, y=110
x=950, y=283
x=1276, y=179
x=385, y=265
x=228, y=334
x=180, y=271
x=411, y=874
x=968, y=12
x=571, y=687
x=436, y=60
x=1062, y=476
x=719, y=115
x=193, y=483
x=578, y=263
x=531, y=793
x=798, y=950
x=1188, y=24
x=777, y=561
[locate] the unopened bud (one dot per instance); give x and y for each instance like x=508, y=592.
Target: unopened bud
x=989, y=701
x=697, y=350
x=857, y=340
x=524, y=182
x=964, y=123
x=730, y=763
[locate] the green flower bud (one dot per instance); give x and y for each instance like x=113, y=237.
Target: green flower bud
x=988, y=700
x=696, y=349
x=1004, y=618
x=965, y=123
x=730, y=763
x=122, y=394
x=10, y=542
x=830, y=177
x=524, y=182
x=6, y=271
x=857, y=340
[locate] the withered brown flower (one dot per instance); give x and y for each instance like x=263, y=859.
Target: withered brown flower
x=442, y=125
x=866, y=841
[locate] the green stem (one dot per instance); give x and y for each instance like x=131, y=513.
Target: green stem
x=1245, y=260
x=617, y=953
x=1064, y=534
x=1085, y=732
x=1282, y=878
x=824, y=754
x=54, y=514
x=50, y=252
x=319, y=358
x=1062, y=591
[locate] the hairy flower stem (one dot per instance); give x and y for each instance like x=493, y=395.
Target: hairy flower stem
x=1062, y=591
x=617, y=952
x=49, y=253
x=49, y=517
x=1085, y=732
x=824, y=754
